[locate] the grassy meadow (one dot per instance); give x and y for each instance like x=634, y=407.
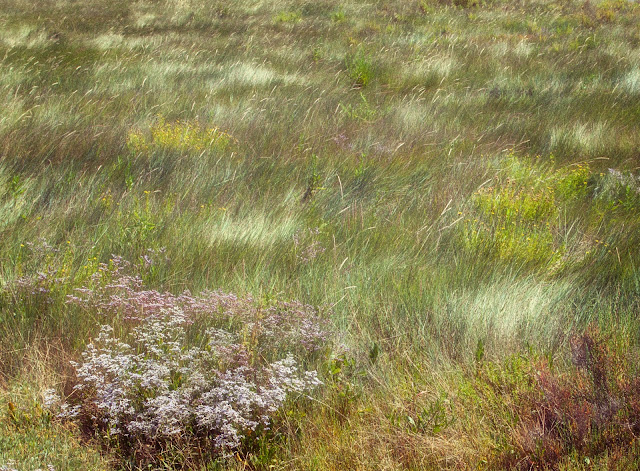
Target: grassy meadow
x=454, y=186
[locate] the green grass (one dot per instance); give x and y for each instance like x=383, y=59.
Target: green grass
x=437, y=175
x=30, y=436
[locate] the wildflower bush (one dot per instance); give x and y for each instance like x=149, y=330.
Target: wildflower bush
x=518, y=221
x=573, y=182
x=184, y=372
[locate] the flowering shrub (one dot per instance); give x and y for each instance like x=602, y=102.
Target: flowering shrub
x=198, y=372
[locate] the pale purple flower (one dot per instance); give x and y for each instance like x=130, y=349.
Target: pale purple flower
x=152, y=384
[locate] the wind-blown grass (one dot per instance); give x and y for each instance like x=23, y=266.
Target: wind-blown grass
x=450, y=182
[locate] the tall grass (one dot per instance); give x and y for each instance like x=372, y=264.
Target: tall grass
x=453, y=183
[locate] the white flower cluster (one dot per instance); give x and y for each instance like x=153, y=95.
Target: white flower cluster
x=152, y=386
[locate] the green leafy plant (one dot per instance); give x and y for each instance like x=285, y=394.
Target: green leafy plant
x=360, y=68
x=288, y=17
x=363, y=111
x=338, y=16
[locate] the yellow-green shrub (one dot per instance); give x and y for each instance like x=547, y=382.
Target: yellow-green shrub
x=179, y=136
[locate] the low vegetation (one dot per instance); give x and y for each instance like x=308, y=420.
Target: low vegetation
x=319, y=235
